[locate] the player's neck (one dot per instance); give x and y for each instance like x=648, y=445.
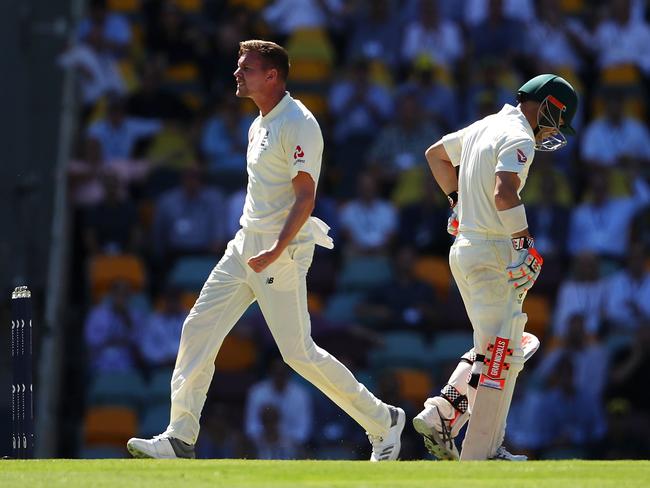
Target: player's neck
x=530, y=112
x=267, y=102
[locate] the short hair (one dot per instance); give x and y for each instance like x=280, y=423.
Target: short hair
x=274, y=55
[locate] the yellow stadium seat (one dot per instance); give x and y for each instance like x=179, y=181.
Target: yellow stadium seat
x=124, y=6
x=623, y=74
x=310, y=70
x=190, y=6
x=435, y=271
x=110, y=425
x=538, y=309
x=182, y=72
x=414, y=385
x=315, y=102
x=106, y=269
x=237, y=353
x=310, y=44
x=252, y=5
x=315, y=302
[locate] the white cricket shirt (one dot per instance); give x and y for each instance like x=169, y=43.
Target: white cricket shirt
x=499, y=142
x=280, y=144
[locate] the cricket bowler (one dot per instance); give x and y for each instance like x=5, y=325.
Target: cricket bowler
x=267, y=261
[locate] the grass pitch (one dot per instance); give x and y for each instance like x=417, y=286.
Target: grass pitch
x=322, y=474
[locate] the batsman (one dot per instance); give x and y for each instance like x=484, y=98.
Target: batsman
x=482, y=169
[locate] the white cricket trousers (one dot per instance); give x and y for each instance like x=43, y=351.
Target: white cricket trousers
x=478, y=263
x=281, y=293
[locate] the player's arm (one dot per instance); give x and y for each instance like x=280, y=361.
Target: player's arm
x=507, y=198
x=304, y=188
x=442, y=168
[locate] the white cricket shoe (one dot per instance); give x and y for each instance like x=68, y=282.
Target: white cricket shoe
x=387, y=447
x=502, y=454
x=160, y=447
x=436, y=424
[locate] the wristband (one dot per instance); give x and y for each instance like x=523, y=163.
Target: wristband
x=525, y=242
x=452, y=198
x=513, y=219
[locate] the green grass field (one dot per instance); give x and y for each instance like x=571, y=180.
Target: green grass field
x=334, y=474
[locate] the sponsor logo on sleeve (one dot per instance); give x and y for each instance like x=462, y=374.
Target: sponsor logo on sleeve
x=521, y=157
x=298, y=156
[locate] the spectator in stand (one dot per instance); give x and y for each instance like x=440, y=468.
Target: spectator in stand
x=278, y=415
x=477, y=11
x=495, y=33
x=189, y=219
x=99, y=73
x=614, y=136
x=286, y=16
x=170, y=37
x=376, y=35
x=583, y=294
x=568, y=408
x=489, y=88
x=86, y=175
x=400, y=145
x=152, y=101
x=554, y=42
x=368, y=223
x=117, y=133
x=627, y=293
x=436, y=99
x=404, y=303
x=111, y=226
x=432, y=37
x=115, y=29
x=112, y=332
x=359, y=108
x=420, y=222
x=225, y=137
x=602, y=225
x=162, y=331
x=622, y=39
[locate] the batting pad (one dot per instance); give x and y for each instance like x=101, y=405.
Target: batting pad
x=494, y=391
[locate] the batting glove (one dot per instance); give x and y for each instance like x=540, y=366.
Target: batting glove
x=525, y=269
x=452, y=221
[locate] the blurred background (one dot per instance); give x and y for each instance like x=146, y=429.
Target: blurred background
x=123, y=178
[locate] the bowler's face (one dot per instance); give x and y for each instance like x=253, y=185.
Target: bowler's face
x=250, y=75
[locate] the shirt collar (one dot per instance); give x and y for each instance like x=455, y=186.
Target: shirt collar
x=278, y=108
x=516, y=112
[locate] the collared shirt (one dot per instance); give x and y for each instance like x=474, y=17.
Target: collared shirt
x=117, y=142
x=500, y=142
x=280, y=144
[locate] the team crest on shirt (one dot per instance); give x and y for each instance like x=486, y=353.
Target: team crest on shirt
x=521, y=157
x=298, y=156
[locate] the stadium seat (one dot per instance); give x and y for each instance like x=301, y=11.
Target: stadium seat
x=364, y=273
x=538, y=309
x=435, y=271
x=155, y=419
x=310, y=71
x=190, y=272
x=311, y=44
x=314, y=302
x=450, y=346
x=106, y=269
x=158, y=389
x=415, y=385
x=341, y=307
x=116, y=389
x=123, y=6
x=190, y=6
x=109, y=426
x=400, y=349
x=237, y=353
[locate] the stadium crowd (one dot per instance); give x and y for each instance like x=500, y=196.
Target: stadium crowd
x=158, y=179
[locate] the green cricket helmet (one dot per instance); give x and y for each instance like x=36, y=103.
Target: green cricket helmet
x=558, y=103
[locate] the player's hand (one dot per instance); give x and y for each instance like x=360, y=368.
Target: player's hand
x=452, y=223
x=525, y=269
x=263, y=259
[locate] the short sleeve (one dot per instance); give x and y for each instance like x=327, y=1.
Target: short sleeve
x=304, y=146
x=514, y=154
x=453, y=144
